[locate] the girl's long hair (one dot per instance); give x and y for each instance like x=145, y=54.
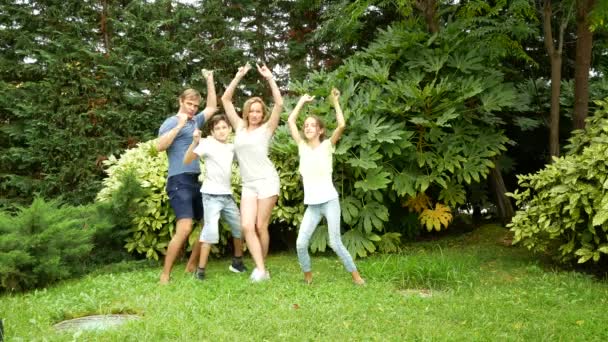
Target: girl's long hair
x=320, y=125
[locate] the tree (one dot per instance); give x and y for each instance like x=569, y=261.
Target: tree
x=555, y=58
x=584, y=45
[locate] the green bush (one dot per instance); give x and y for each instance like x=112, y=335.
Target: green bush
x=564, y=207
x=152, y=227
x=120, y=211
x=44, y=243
x=147, y=218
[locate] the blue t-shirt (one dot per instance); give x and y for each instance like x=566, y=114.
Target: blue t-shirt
x=183, y=139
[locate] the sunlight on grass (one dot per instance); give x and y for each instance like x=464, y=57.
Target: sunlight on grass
x=467, y=287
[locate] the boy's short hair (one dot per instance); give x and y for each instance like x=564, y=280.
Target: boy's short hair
x=215, y=119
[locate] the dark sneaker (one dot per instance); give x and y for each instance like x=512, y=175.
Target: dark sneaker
x=237, y=266
x=200, y=273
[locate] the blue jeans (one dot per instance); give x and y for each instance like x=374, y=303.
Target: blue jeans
x=312, y=217
x=216, y=206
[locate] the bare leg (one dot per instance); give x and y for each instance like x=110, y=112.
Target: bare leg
x=204, y=252
x=264, y=212
x=184, y=226
x=194, y=257
x=357, y=278
x=308, y=277
x=238, y=247
x=248, y=216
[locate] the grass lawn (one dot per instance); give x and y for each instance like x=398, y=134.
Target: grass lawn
x=468, y=287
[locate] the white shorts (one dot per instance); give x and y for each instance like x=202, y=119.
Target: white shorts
x=261, y=188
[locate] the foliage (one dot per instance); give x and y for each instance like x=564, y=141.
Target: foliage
x=44, y=243
x=423, y=119
x=564, y=207
x=135, y=190
x=82, y=81
x=121, y=209
x=152, y=228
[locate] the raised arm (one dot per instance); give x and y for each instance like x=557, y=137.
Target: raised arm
x=293, y=117
x=166, y=139
x=275, y=115
x=334, y=98
x=234, y=118
x=211, y=104
x=190, y=155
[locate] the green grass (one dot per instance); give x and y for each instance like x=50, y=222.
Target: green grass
x=479, y=290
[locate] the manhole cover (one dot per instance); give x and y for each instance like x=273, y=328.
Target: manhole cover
x=100, y=322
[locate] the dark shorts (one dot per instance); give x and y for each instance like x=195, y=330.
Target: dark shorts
x=185, y=196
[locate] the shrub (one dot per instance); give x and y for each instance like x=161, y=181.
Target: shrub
x=564, y=207
x=152, y=227
x=44, y=243
x=143, y=203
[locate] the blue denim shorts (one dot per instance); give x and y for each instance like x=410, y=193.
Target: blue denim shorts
x=184, y=192
x=217, y=206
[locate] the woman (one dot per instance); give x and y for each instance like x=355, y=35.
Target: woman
x=259, y=176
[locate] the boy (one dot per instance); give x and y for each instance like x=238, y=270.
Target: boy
x=218, y=155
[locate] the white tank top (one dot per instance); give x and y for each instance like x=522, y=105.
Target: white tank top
x=316, y=170
x=251, y=150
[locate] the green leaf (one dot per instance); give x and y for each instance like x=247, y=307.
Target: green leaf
x=374, y=181
x=359, y=244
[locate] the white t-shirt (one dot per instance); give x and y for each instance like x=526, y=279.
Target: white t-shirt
x=316, y=170
x=251, y=150
x=218, y=159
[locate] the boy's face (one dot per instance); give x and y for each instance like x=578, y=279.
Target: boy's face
x=189, y=106
x=221, y=131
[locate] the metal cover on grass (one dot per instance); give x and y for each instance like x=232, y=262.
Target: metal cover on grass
x=100, y=322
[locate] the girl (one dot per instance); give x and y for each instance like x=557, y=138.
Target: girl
x=319, y=192
x=260, y=178
x=218, y=155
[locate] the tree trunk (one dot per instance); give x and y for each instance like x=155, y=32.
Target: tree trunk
x=584, y=42
x=555, y=58
x=103, y=23
x=503, y=203
x=556, y=80
x=429, y=11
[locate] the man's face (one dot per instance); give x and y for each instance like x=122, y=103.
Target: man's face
x=189, y=106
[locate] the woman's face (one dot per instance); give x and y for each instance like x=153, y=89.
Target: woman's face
x=256, y=114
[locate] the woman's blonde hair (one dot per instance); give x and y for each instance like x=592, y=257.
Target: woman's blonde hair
x=247, y=107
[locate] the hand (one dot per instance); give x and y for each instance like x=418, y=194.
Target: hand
x=181, y=119
x=196, y=136
x=243, y=70
x=207, y=73
x=264, y=71
x=306, y=98
x=334, y=96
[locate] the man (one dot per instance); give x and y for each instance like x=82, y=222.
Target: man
x=183, y=186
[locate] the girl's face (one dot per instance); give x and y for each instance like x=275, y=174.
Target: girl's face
x=256, y=114
x=312, y=131
x=221, y=131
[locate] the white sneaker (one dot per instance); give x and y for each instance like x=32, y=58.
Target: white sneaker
x=259, y=276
